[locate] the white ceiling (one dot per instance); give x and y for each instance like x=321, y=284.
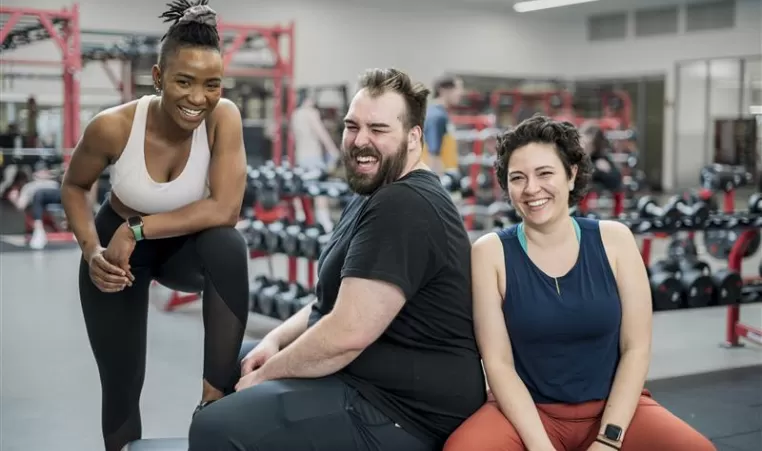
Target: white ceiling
x=576, y=11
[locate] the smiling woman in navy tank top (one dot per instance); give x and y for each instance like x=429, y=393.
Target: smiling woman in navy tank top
x=562, y=313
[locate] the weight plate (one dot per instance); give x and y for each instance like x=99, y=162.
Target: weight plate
x=719, y=243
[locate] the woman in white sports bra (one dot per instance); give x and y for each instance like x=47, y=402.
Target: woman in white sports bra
x=178, y=178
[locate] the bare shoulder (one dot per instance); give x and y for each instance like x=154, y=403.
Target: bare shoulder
x=618, y=239
x=487, y=250
x=109, y=130
x=225, y=110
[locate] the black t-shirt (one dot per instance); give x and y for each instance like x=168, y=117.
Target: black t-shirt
x=425, y=371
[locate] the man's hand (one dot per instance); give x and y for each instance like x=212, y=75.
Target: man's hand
x=120, y=249
x=259, y=355
x=250, y=380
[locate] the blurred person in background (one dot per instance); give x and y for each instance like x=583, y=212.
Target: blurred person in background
x=441, y=150
x=313, y=148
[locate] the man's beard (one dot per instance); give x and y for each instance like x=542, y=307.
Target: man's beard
x=389, y=168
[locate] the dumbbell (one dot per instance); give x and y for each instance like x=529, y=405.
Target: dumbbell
x=695, y=215
x=285, y=301
x=451, y=180
x=267, y=188
x=272, y=236
x=482, y=182
x=256, y=233
x=303, y=176
x=697, y=287
x=257, y=285
x=755, y=203
x=265, y=298
x=666, y=291
x=289, y=239
x=647, y=208
x=309, y=246
x=727, y=287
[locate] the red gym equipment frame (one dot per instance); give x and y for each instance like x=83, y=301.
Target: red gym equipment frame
x=70, y=44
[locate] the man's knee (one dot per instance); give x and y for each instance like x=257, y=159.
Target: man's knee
x=210, y=431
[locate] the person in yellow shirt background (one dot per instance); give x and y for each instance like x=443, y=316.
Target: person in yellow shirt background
x=440, y=149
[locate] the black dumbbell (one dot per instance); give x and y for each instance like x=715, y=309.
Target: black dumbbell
x=303, y=177
x=272, y=237
x=697, y=287
x=666, y=291
x=285, y=301
x=451, y=180
x=257, y=285
x=308, y=241
x=256, y=233
x=695, y=215
x=647, y=208
x=265, y=298
x=755, y=203
x=727, y=287
x=691, y=263
x=289, y=239
x=303, y=301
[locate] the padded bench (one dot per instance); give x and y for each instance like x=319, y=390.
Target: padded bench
x=158, y=444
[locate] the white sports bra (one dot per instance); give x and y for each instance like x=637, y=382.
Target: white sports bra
x=132, y=184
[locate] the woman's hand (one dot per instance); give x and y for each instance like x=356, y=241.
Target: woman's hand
x=120, y=249
x=107, y=277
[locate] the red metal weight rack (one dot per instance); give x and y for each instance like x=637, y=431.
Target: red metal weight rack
x=24, y=25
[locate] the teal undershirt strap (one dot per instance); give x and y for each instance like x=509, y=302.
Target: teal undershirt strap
x=523, y=237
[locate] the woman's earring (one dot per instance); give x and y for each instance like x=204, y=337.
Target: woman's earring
x=571, y=186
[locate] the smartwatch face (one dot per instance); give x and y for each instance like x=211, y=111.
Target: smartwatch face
x=134, y=221
x=612, y=432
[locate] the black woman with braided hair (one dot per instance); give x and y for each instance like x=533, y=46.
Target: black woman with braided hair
x=178, y=173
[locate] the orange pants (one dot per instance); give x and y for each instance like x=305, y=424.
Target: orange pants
x=575, y=427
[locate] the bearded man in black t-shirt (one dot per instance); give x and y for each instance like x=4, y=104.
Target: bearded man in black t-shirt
x=386, y=358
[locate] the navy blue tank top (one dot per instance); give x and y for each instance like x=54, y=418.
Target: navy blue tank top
x=564, y=331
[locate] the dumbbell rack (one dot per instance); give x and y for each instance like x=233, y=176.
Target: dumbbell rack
x=476, y=160
x=734, y=328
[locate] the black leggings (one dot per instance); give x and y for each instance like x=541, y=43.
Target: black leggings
x=42, y=199
x=214, y=261
x=323, y=414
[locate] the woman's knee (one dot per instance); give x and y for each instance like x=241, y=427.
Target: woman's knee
x=485, y=430
x=225, y=242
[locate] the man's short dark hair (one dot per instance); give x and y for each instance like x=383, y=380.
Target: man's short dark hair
x=380, y=81
x=544, y=130
x=443, y=83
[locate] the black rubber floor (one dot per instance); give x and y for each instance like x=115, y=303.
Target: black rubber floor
x=725, y=406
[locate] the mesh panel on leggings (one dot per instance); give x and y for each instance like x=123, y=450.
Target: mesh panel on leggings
x=222, y=339
x=225, y=257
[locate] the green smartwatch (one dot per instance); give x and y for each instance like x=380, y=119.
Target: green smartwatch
x=135, y=223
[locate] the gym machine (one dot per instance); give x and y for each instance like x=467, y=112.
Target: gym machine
x=509, y=106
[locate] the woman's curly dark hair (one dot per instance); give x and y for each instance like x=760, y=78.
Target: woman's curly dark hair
x=541, y=129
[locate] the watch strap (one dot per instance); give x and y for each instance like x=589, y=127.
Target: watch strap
x=136, y=226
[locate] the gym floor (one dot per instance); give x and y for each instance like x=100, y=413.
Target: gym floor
x=50, y=396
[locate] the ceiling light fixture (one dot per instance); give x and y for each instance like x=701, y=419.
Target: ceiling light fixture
x=536, y=5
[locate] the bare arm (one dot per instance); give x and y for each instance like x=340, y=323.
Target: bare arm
x=509, y=390
x=635, y=340
x=363, y=310
x=227, y=181
x=90, y=158
x=292, y=328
